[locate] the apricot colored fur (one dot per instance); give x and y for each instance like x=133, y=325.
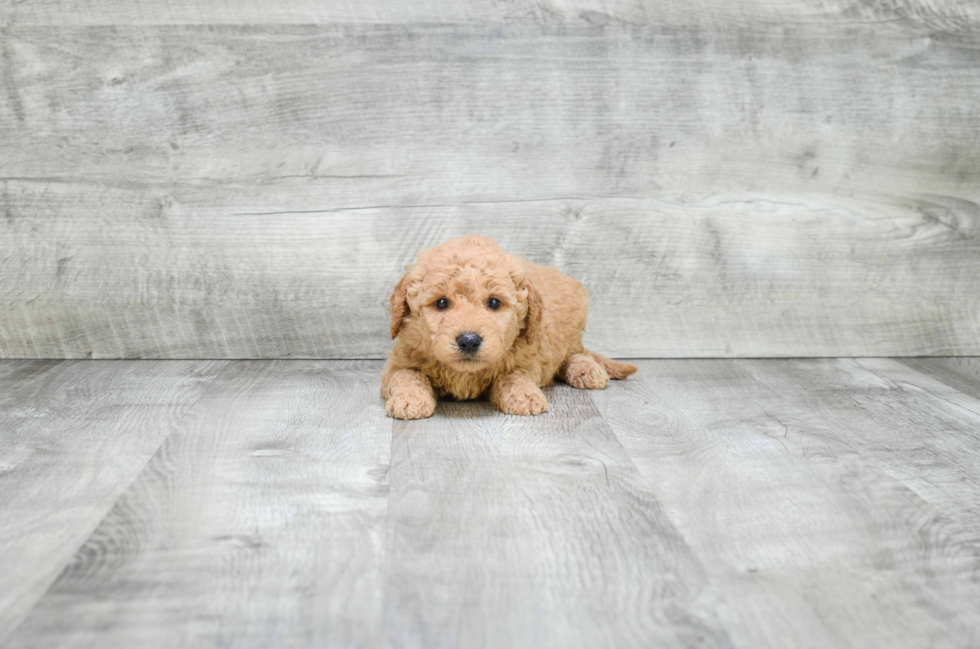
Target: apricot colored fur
x=534, y=337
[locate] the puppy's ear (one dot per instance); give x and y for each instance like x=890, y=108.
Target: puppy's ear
x=532, y=322
x=399, y=302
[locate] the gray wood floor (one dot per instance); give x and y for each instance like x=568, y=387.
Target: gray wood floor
x=742, y=503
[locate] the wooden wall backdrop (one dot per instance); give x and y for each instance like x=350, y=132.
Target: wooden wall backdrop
x=729, y=177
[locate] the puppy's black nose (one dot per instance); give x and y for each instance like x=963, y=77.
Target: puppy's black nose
x=469, y=342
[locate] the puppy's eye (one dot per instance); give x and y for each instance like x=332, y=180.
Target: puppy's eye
x=493, y=303
x=442, y=303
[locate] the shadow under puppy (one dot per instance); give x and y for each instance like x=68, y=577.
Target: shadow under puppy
x=472, y=320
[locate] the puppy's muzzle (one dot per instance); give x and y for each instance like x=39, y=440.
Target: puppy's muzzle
x=468, y=343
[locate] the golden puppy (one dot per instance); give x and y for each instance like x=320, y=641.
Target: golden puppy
x=471, y=320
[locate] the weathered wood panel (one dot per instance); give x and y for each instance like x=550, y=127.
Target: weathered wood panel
x=963, y=374
x=534, y=532
x=736, y=190
x=128, y=275
x=943, y=14
x=798, y=514
x=73, y=436
x=258, y=523
x=918, y=429
x=710, y=503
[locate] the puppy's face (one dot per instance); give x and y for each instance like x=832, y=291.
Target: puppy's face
x=463, y=310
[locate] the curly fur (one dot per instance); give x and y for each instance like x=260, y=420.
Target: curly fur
x=534, y=337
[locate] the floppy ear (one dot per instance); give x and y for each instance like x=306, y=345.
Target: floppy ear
x=399, y=303
x=532, y=322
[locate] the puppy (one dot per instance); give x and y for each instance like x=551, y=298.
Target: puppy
x=471, y=320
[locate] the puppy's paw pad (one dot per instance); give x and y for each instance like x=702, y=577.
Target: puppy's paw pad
x=524, y=402
x=588, y=377
x=410, y=406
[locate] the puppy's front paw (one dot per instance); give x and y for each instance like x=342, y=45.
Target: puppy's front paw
x=523, y=399
x=586, y=374
x=410, y=405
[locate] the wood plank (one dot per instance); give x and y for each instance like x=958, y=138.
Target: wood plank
x=532, y=532
x=937, y=14
x=962, y=373
x=916, y=428
x=249, y=192
x=961, y=396
x=404, y=115
x=700, y=279
x=259, y=523
x=809, y=540
x=73, y=436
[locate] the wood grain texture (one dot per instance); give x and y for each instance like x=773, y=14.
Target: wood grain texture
x=248, y=192
x=710, y=503
x=258, y=523
x=73, y=436
x=918, y=429
x=936, y=14
x=808, y=535
x=963, y=374
x=533, y=532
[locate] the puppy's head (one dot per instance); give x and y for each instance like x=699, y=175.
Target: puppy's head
x=465, y=303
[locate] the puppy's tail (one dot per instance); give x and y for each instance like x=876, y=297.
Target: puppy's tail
x=615, y=370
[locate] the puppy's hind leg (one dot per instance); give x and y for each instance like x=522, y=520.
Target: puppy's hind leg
x=615, y=370
x=582, y=371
